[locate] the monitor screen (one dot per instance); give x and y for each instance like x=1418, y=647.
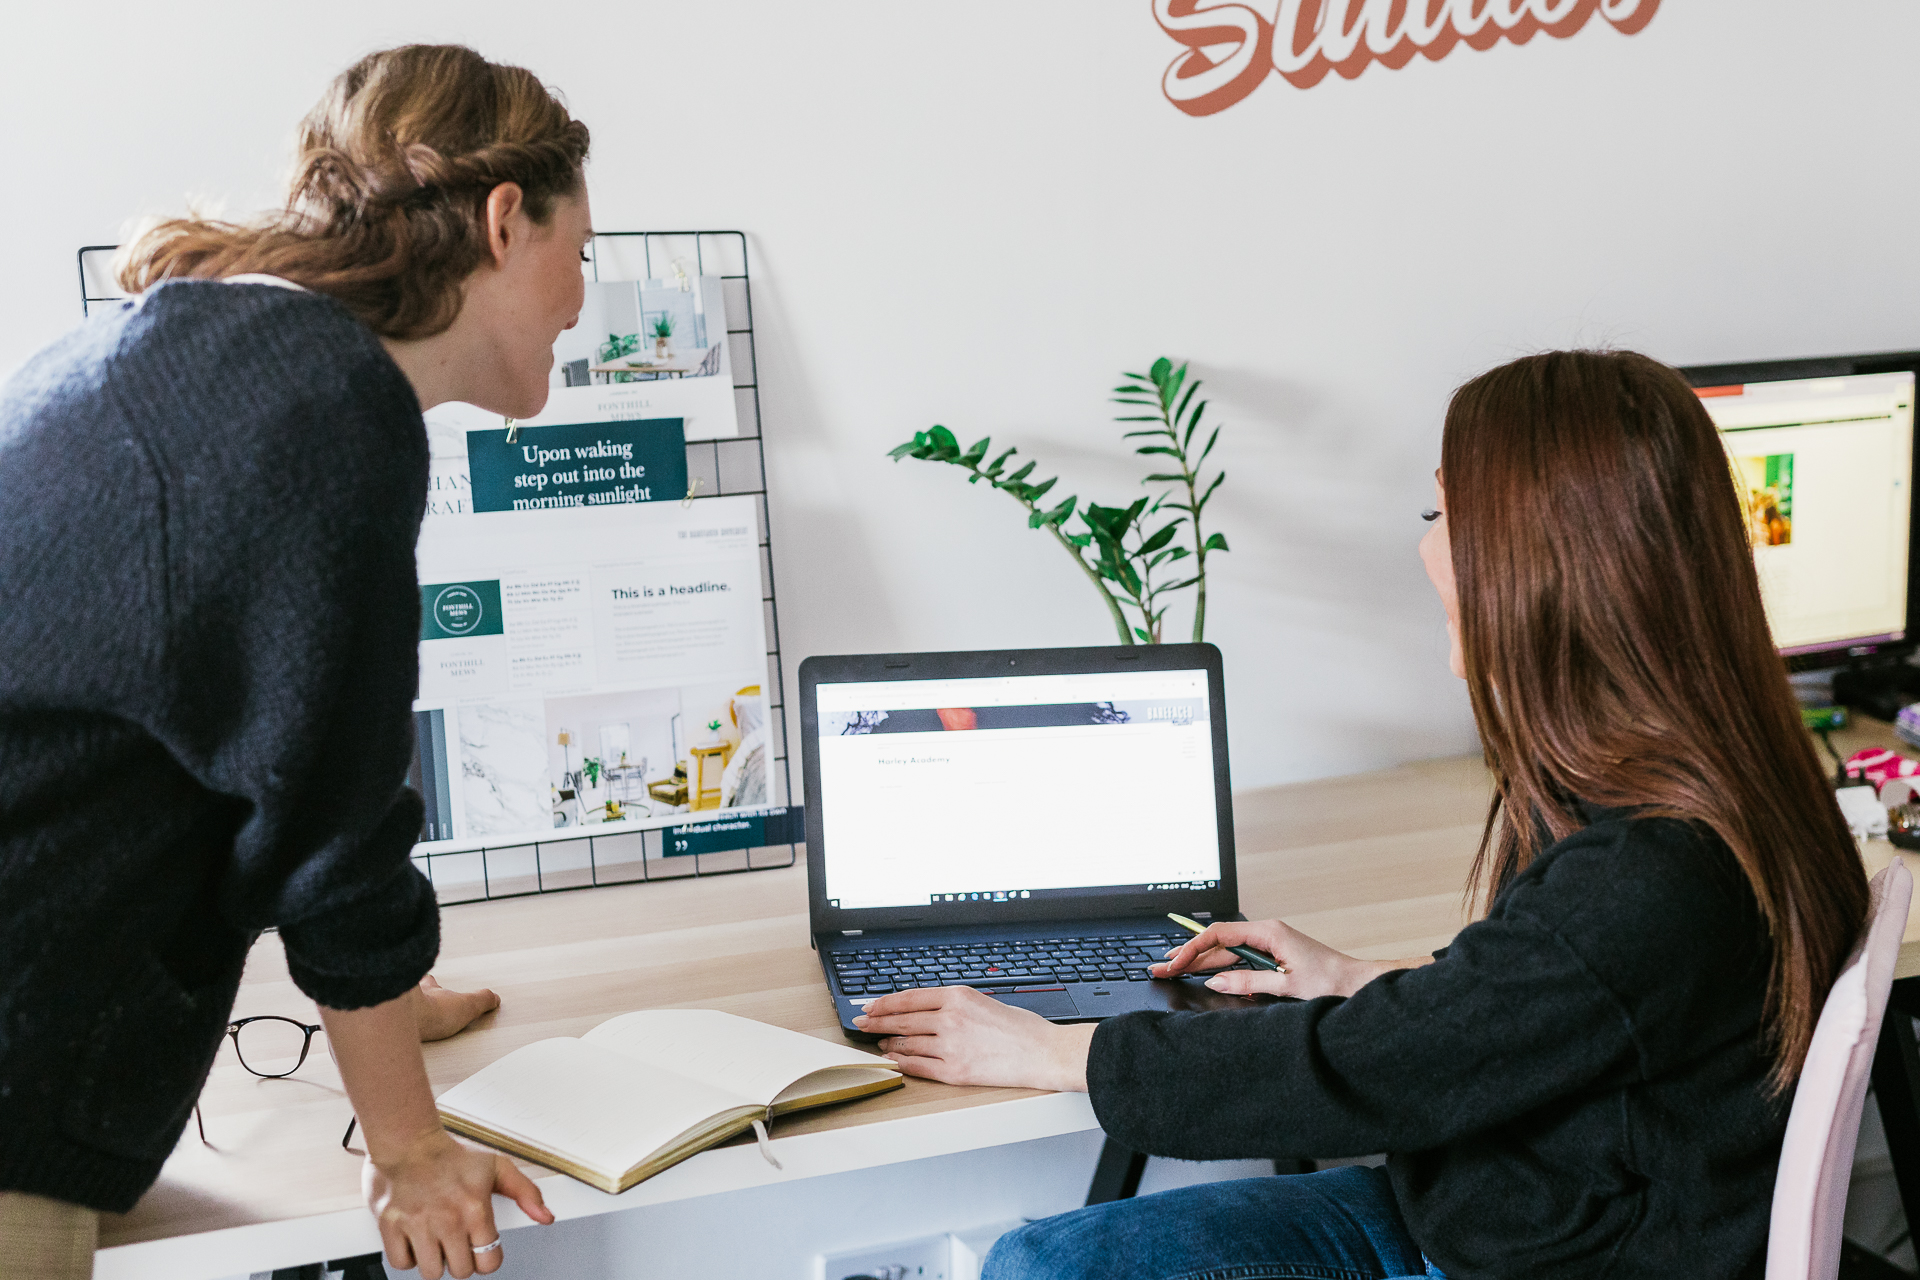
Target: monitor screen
x=1010, y=788
x=1824, y=469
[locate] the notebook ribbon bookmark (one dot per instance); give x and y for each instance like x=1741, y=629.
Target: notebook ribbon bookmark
x=760, y=1136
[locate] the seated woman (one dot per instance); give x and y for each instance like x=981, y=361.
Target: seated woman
x=1594, y=1078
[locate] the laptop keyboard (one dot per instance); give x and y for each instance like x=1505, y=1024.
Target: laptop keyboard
x=874, y=971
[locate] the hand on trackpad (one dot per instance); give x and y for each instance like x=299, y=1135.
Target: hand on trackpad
x=1048, y=1004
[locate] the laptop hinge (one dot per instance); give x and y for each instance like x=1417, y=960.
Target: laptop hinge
x=1203, y=915
x=851, y=933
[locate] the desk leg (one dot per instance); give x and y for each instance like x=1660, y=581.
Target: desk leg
x=1896, y=1087
x=1117, y=1176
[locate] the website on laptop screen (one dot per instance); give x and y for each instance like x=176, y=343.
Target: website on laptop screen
x=1019, y=787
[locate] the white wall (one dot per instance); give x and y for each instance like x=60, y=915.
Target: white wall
x=977, y=213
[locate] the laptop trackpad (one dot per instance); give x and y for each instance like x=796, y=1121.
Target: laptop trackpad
x=1048, y=1004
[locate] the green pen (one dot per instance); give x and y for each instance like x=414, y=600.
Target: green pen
x=1258, y=959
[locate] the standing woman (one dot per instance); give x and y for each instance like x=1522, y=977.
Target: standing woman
x=209, y=500
x=1593, y=1079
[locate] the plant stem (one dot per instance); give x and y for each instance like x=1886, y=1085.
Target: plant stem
x=1093, y=576
x=1199, y=552
x=1113, y=605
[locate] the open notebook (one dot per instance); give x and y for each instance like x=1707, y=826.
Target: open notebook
x=641, y=1092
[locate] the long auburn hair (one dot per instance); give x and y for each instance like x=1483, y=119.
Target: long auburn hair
x=1617, y=650
x=386, y=209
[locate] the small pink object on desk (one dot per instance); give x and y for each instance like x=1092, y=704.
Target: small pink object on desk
x=1880, y=766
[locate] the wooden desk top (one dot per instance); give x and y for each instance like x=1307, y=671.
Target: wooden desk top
x=1373, y=864
x=563, y=963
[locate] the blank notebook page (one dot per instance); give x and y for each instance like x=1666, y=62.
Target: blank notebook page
x=585, y=1102
x=748, y=1058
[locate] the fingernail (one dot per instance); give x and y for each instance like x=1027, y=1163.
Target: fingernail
x=859, y=1020
x=1214, y=983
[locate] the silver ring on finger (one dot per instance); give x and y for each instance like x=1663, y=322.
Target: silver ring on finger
x=488, y=1247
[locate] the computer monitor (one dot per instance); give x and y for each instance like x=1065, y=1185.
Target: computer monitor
x=1823, y=455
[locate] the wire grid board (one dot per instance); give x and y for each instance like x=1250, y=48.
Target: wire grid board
x=731, y=467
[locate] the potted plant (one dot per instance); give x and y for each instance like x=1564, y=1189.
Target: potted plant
x=1115, y=549
x=617, y=345
x=662, y=328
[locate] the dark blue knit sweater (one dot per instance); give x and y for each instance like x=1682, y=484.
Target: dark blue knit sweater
x=208, y=628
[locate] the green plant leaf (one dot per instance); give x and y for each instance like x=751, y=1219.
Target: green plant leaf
x=1216, y=542
x=1061, y=513
x=993, y=468
x=1159, y=371
x=1172, y=387
x=1193, y=419
x=975, y=452
x=1133, y=511
x=1128, y=435
x=1021, y=474
x=1143, y=635
x=1144, y=417
x=1181, y=586
x=1187, y=400
x=1035, y=490
x=1160, y=539
x=1129, y=578
x=1210, y=488
x=1166, y=478
x=943, y=440
x=1209, y=449
x=1137, y=377
x=1078, y=539
x=902, y=451
x=1158, y=448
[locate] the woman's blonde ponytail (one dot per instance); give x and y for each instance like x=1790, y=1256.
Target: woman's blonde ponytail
x=386, y=209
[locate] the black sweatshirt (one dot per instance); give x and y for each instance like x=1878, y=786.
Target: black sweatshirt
x=1574, y=1088
x=209, y=622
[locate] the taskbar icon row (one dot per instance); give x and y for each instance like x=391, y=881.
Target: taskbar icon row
x=992, y=895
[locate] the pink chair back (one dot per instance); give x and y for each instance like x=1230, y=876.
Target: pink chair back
x=1816, y=1160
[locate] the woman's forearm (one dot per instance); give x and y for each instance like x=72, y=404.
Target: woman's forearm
x=378, y=1052
x=1068, y=1048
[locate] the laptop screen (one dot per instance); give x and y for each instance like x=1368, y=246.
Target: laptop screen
x=999, y=789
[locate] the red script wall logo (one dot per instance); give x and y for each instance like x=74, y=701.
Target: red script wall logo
x=1231, y=48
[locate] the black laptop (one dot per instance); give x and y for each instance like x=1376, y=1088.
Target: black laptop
x=1018, y=821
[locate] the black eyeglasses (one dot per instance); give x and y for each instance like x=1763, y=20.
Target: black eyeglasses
x=265, y=1044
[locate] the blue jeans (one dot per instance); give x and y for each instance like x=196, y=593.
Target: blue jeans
x=1342, y=1224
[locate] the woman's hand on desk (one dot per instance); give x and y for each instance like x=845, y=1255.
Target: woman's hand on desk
x=444, y=1013
x=958, y=1036
x=433, y=1199
x=1313, y=968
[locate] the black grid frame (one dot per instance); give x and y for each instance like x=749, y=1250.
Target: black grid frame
x=734, y=466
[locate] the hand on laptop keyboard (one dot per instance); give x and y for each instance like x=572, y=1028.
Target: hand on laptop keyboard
x=872, y=971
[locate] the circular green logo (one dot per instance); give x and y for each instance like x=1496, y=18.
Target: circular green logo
x=456, y=610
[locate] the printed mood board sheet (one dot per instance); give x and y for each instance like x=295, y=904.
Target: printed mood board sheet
x=586, y=631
